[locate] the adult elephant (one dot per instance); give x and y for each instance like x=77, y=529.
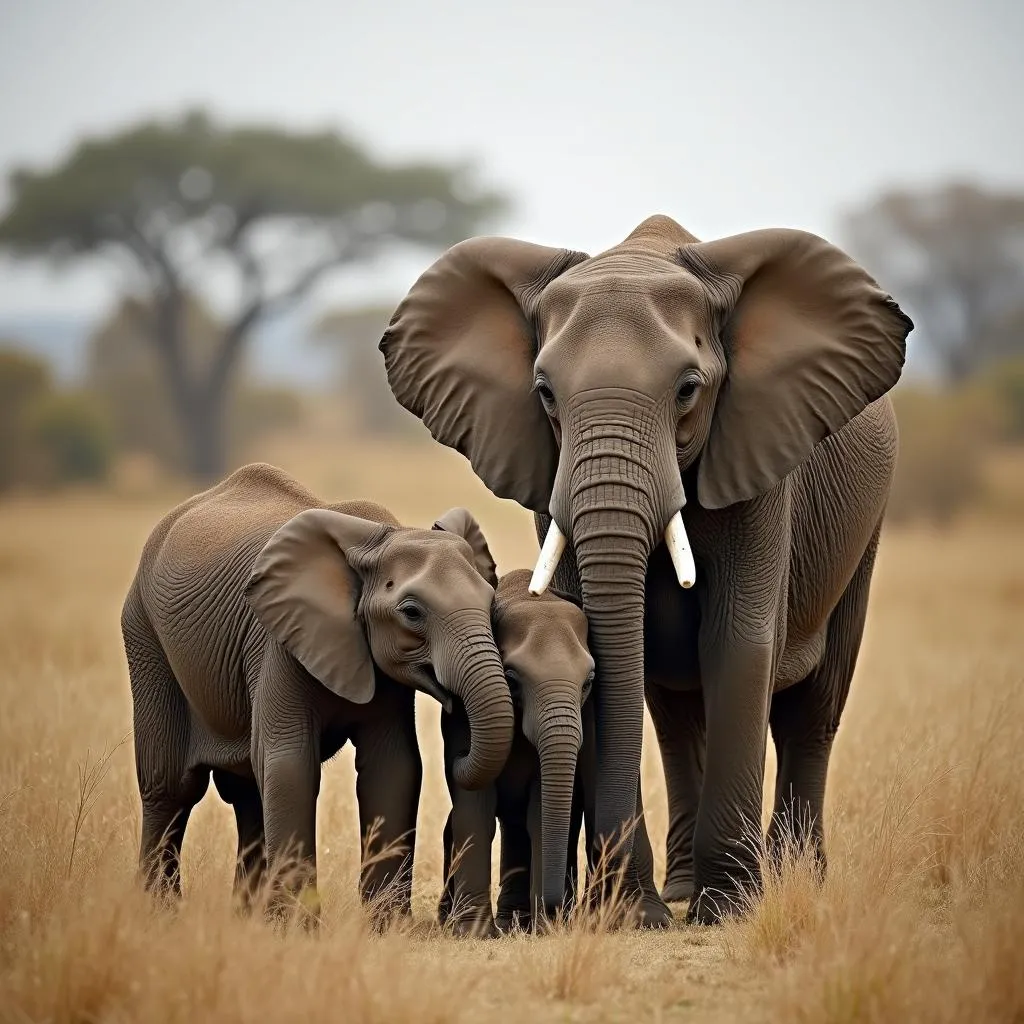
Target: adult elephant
x=746, y=372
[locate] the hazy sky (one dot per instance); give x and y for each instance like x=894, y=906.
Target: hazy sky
x=727, y=115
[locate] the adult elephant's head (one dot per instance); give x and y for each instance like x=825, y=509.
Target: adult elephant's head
x=589, y=388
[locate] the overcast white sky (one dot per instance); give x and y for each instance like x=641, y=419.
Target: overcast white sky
x=727, y=115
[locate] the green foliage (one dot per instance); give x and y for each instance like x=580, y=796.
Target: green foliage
x=151, y=178
x=47, y=436
x=73, y=437
x=190, y=200
x=24, y=380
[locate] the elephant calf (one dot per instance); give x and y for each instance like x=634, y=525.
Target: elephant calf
x=264, y=629
x=538, y=796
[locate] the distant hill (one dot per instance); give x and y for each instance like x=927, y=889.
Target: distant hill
x=280, y=350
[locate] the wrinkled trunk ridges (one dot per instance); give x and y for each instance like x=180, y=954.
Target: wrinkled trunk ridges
x=558, y=746
x=471, y=669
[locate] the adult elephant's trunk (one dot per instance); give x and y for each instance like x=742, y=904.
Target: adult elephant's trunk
x=470, y=668
x=611, y=552
x=618, y=485
x=558, y=739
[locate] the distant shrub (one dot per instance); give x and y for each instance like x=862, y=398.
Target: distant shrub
x=73, y=438
x=47, y=436
x=24, y=380
x=943, y=435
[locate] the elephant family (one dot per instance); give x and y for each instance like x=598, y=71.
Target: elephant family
x=263, y=630
x=748, y=374
x=538, y=796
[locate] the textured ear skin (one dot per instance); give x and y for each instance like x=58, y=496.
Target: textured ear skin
x=304, y=591
x=459, y=354
x=810, y=341
x=461, y=521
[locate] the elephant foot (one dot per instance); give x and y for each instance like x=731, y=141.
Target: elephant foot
x=633, y=906
x=653, y=912
x=513, y=921
x=677, y=890
x=300, y=907
x=381, y=919
x=712, y=906
x=468, y=927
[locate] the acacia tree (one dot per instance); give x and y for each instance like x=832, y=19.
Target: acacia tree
x=955, y=256
x=265, y=214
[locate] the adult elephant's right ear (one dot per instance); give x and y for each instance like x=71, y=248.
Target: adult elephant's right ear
x=459, y=354
x=304, y=590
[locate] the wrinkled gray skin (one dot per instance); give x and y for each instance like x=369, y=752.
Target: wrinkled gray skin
x=538, y=796
x=264, y=630
x=741, y=380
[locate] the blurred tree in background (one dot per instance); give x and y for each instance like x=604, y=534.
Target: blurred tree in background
x=47, y=436
x=354, y=334
x=124, y=372
x=955, y=257
x=265, y=212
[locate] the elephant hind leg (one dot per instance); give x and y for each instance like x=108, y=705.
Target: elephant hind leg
x=168, y=785
x=251, y=861
x=804, y=719
x=163, y=831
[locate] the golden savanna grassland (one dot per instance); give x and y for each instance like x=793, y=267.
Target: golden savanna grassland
x=921, y=917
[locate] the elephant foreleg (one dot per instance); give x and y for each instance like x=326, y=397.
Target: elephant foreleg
x=469, y=881
x=468, y=836
x=290, y=787
x=678, y=718
x=727, y=838
x=389, y=774
x=514, y=906
x=653, y=910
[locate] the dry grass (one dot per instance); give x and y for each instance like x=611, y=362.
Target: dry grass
x=921, y=917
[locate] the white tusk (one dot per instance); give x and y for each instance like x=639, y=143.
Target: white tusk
x=547, y=562
x=679, y=548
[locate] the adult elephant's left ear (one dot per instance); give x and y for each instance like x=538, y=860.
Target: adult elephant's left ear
x=810, y=341
x=461, y=521
x=459, y=354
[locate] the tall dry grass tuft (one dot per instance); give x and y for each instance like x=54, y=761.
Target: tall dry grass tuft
x=921, y=915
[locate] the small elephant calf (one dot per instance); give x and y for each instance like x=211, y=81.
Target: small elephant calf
x=539, y=795
x=264, y=629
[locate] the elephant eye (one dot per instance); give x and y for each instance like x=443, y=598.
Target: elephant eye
x=412, y=613
x=547, y=396
x=514, y=684
x=587, y=684
x=687, y=391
